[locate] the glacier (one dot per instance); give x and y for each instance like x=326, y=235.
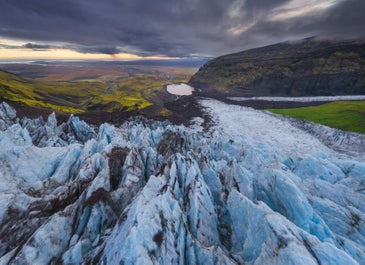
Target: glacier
x=302, y=99
x=253, y=188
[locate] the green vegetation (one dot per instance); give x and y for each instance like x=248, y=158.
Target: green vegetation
x=345, y=115
x=307, y=68
x=137, y=91
x=165, y=112
x=124, y=95
x=68, y=97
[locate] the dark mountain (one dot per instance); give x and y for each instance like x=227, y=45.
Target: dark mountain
x=307, y=68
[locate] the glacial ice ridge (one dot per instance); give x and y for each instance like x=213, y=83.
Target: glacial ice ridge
x=253, y=189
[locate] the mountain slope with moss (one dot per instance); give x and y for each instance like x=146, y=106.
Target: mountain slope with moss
x=307, y=68
x=135, y=92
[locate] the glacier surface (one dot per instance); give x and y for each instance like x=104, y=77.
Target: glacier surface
x=254, y=188
x=301, y=99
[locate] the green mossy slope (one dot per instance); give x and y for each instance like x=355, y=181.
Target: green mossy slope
x=133, y=93
x=345, y=115
x=307, y=68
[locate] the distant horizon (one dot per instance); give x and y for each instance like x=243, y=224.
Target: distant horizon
x=133, y=58
x=161, y=29
x=183, y=62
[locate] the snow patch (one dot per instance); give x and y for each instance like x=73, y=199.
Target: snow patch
x=180, y=89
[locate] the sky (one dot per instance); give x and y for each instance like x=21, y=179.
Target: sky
x=157, y=29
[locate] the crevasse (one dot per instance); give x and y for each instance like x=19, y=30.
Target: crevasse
x=253, y=189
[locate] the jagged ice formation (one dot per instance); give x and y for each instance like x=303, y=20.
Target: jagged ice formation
x=253, y=189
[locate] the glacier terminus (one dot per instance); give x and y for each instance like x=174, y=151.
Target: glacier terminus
x=252, y=188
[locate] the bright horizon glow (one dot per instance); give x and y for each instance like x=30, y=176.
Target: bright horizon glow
x=14, y=50
x=66, y=54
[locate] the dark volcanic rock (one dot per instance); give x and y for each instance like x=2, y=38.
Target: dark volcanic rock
x=308, y=68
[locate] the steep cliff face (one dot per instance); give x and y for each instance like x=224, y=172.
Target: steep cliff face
x=307, y=68
x=154, y=193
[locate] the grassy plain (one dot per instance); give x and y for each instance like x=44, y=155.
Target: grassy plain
x=345, y=115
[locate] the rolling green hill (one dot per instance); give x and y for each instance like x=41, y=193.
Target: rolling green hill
x=135, y=92
x=69, y=97
x=306, y=68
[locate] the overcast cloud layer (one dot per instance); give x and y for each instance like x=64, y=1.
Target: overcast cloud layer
x=176, y=27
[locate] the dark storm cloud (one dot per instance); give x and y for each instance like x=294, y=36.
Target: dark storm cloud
x=171, y=27
x=346, y=19
x=5, y=46
x=36, y=46
x=96, y=49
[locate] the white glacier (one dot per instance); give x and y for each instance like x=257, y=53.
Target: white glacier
x=254, y=188
x=301, y=99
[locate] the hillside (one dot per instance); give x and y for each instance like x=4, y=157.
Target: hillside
x=59, y=96
x=105, y=95
x=306, y=68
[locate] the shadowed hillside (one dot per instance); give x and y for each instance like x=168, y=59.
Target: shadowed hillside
x=307, y=68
